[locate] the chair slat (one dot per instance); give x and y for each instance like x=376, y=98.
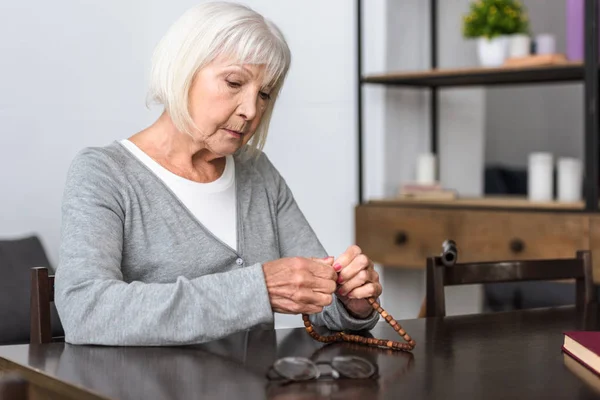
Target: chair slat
x=439, y=276
x=463, y=274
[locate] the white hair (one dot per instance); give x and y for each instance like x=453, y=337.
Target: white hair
x=199, y=36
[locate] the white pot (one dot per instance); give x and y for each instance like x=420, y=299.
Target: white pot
x=492, y=52
x=519, y=45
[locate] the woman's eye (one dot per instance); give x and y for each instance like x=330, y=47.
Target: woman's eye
x=234, y=85
x=265, y=96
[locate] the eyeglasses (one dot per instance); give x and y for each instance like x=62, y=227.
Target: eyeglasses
x=304, y=369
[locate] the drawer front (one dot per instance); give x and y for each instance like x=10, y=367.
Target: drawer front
x=595, y=246
x=405, y=236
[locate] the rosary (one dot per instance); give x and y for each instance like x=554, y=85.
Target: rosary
x=449, y=257
x=343, y=337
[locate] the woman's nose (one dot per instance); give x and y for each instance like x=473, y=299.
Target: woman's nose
x=247, y=109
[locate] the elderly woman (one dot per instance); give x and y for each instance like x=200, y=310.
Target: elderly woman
x=185, y=232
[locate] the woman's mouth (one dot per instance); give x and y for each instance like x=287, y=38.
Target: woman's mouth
x=237, y=134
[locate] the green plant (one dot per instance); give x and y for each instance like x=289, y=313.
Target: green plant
x=491, y=18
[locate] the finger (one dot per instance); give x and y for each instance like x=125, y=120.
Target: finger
x=310, y=309
x=287, y=306
x=361, y=278
x=372, y=289
x=360, y=262
x=313, y=298
x=347, y=257
x=326, y=286
x=325, y=260
x=320, y=269
x=321, y=299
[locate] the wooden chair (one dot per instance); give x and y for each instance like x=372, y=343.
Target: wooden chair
x=13, y=387
x=441, y=273
x=42, y=294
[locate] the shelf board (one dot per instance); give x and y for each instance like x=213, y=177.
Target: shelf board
x=564, y=72
x=501, y=202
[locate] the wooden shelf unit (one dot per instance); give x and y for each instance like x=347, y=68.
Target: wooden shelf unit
x=491, y=202
x=567, y=72
x=403, y=233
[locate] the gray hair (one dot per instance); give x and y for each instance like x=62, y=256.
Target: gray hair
x=199, y=36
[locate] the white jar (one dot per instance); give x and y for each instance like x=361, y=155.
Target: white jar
x=540, y=183
x=545, y=43
x=569, y=176
x=519, y=45
x=426, y=169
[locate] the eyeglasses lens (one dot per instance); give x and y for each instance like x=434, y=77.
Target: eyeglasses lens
x=353, y=367
x=296, y=368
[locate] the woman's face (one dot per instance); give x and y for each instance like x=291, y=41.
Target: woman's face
x=227, y=102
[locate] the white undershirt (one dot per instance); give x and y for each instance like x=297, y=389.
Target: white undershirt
x=213, y=203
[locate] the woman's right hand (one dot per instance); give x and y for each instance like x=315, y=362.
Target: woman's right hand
x=300, y=285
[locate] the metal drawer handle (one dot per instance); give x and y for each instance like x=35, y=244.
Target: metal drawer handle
x=401, y=238
x=517, y=245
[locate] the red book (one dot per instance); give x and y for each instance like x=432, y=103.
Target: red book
x=584, y=346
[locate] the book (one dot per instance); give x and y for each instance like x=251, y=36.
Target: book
x=588, y=377
x=584, y=347
x=416, y=191
x=437, y=196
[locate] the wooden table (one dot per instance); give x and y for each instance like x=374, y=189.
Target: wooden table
x=514, y=355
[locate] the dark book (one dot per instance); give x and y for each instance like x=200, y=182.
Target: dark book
x=584, y=347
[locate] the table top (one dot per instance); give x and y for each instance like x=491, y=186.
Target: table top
x=514, y=355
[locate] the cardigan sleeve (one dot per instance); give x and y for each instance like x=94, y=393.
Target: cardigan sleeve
x=297, y=238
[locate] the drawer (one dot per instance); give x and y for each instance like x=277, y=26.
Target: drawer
x=595, y=245
x=405, y=236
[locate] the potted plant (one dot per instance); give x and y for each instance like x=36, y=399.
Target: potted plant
x=491, y=22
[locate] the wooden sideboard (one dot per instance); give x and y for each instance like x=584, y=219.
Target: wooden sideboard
x=403, y=233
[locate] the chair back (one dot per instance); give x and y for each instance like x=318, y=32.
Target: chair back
x=440, y=273
x=17, y=257
x=42, y=295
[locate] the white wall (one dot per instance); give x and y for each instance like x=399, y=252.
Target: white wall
x=74, y=75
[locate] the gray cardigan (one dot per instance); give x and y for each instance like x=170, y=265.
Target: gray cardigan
x=136, y=267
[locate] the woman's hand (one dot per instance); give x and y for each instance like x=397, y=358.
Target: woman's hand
x=357, y=280
x=300, y=285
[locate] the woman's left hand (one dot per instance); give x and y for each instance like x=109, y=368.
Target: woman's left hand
x=357, y=280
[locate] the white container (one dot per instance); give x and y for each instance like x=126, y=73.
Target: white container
x=426, y=169
x=519, y=45
x=539, y=177
x=492, y=53
x=569, y=177
x=545, y=43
